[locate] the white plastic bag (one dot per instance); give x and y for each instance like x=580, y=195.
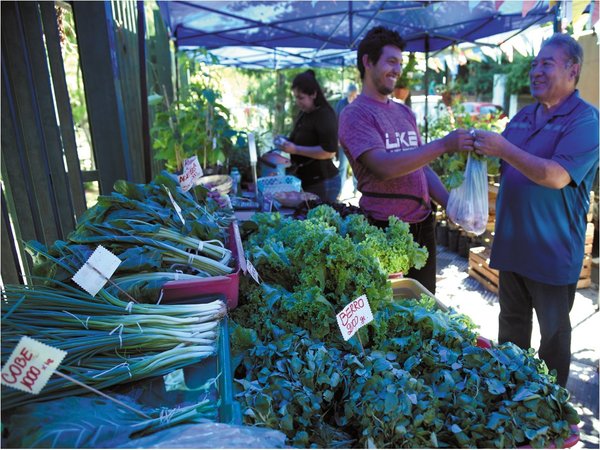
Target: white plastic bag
x=468, y=203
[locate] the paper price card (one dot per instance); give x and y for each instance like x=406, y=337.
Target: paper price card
x=175, y=205
x=97, y=270
x=355, y=315
x=31, y=365
x=191, y=172
x=252, y=271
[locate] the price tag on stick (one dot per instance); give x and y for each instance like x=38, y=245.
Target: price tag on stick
x=252, y=271
x=191, y=172
x=175, y=205
x=355, y=315
x=31, y=365
x=97, y=270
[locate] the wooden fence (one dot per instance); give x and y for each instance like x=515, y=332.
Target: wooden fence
x=42, y=184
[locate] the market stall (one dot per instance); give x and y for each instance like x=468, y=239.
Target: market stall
x=202, y=312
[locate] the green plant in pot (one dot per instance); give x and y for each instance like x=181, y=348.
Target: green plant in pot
x=194, y=125
x=406, y=78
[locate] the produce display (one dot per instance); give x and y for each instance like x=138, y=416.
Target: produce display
x=414, y=379
x=155, y=242
x=121, y=334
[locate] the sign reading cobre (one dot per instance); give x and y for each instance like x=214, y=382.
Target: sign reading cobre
x=31, y=365
x=355, y=315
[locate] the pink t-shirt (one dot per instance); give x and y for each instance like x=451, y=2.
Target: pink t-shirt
x=369, y=125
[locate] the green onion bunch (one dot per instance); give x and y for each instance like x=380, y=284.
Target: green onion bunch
x=108, y=341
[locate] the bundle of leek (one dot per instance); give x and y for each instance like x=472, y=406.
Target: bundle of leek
x=108, y=341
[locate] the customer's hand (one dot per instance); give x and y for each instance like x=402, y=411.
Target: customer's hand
x=489, y=143
x=459, y=140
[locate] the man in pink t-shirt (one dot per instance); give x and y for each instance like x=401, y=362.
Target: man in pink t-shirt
x=382, y=142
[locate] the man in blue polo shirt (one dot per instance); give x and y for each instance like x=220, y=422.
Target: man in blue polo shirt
x=549, y=154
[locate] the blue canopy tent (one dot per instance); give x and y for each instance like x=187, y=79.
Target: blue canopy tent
x=277, y=34
x=280, y=34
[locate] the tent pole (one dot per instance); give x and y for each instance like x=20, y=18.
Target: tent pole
x=557, y=13
x=141, y=24
x=426, y=83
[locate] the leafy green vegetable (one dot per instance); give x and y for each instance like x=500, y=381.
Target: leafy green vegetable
x=419, y=382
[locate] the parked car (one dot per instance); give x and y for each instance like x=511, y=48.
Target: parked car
x=481, y=110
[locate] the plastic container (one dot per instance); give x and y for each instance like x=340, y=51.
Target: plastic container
x=236, y=181
x=410, y=288
x=151, y=392
x=267, y=186
x=227, y=285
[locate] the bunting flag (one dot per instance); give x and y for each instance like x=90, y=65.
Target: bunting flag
x=473, y=55
x=510, y=7
x=491, y=52
x=498, y=4
x=435, y=64
x=507, y=48
x=528, y=5
x=551, y=4
x=595, y=5
x=578, y=9
x=473, y=4
x=520, y=45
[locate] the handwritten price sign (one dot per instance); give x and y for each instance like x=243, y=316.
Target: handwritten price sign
x=31, y=365
x=191, y=172
x=355, y=315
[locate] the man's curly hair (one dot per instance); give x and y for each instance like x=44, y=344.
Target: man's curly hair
x=373, y=43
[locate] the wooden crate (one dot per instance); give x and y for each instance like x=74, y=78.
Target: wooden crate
x=589, y=238
x=479, y=259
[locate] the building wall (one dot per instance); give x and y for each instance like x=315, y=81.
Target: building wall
x=588, y=83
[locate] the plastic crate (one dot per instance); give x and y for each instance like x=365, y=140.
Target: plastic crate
x=411, y=288
x=228, y=285
x=151, y=392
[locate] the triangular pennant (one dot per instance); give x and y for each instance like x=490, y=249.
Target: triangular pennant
x=507, y=48
x=528, y=5
x=578, y=8
x=473, y=4
x=498, y=4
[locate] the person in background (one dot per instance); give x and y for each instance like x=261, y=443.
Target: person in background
x=384, y=147
x=313, y=141
x=549, y=153
x=351, y=94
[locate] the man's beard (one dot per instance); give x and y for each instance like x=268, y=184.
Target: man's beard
x=383, y=89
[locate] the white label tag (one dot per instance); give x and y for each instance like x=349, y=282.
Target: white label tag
x=355, y=315
x=252, y=271
x=31, y=365
x=191, y=172
x=252, y=148
x=175, y=205
x=97, y=270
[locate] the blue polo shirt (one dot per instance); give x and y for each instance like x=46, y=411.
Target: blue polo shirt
x=540, y=232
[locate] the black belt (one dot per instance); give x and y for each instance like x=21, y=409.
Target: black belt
x=395, y=195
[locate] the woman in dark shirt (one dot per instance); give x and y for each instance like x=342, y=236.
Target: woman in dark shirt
x=313, y=141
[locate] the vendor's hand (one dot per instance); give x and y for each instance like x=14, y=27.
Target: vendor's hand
x=459, y=141
x=489, y=143
x=289, y=147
